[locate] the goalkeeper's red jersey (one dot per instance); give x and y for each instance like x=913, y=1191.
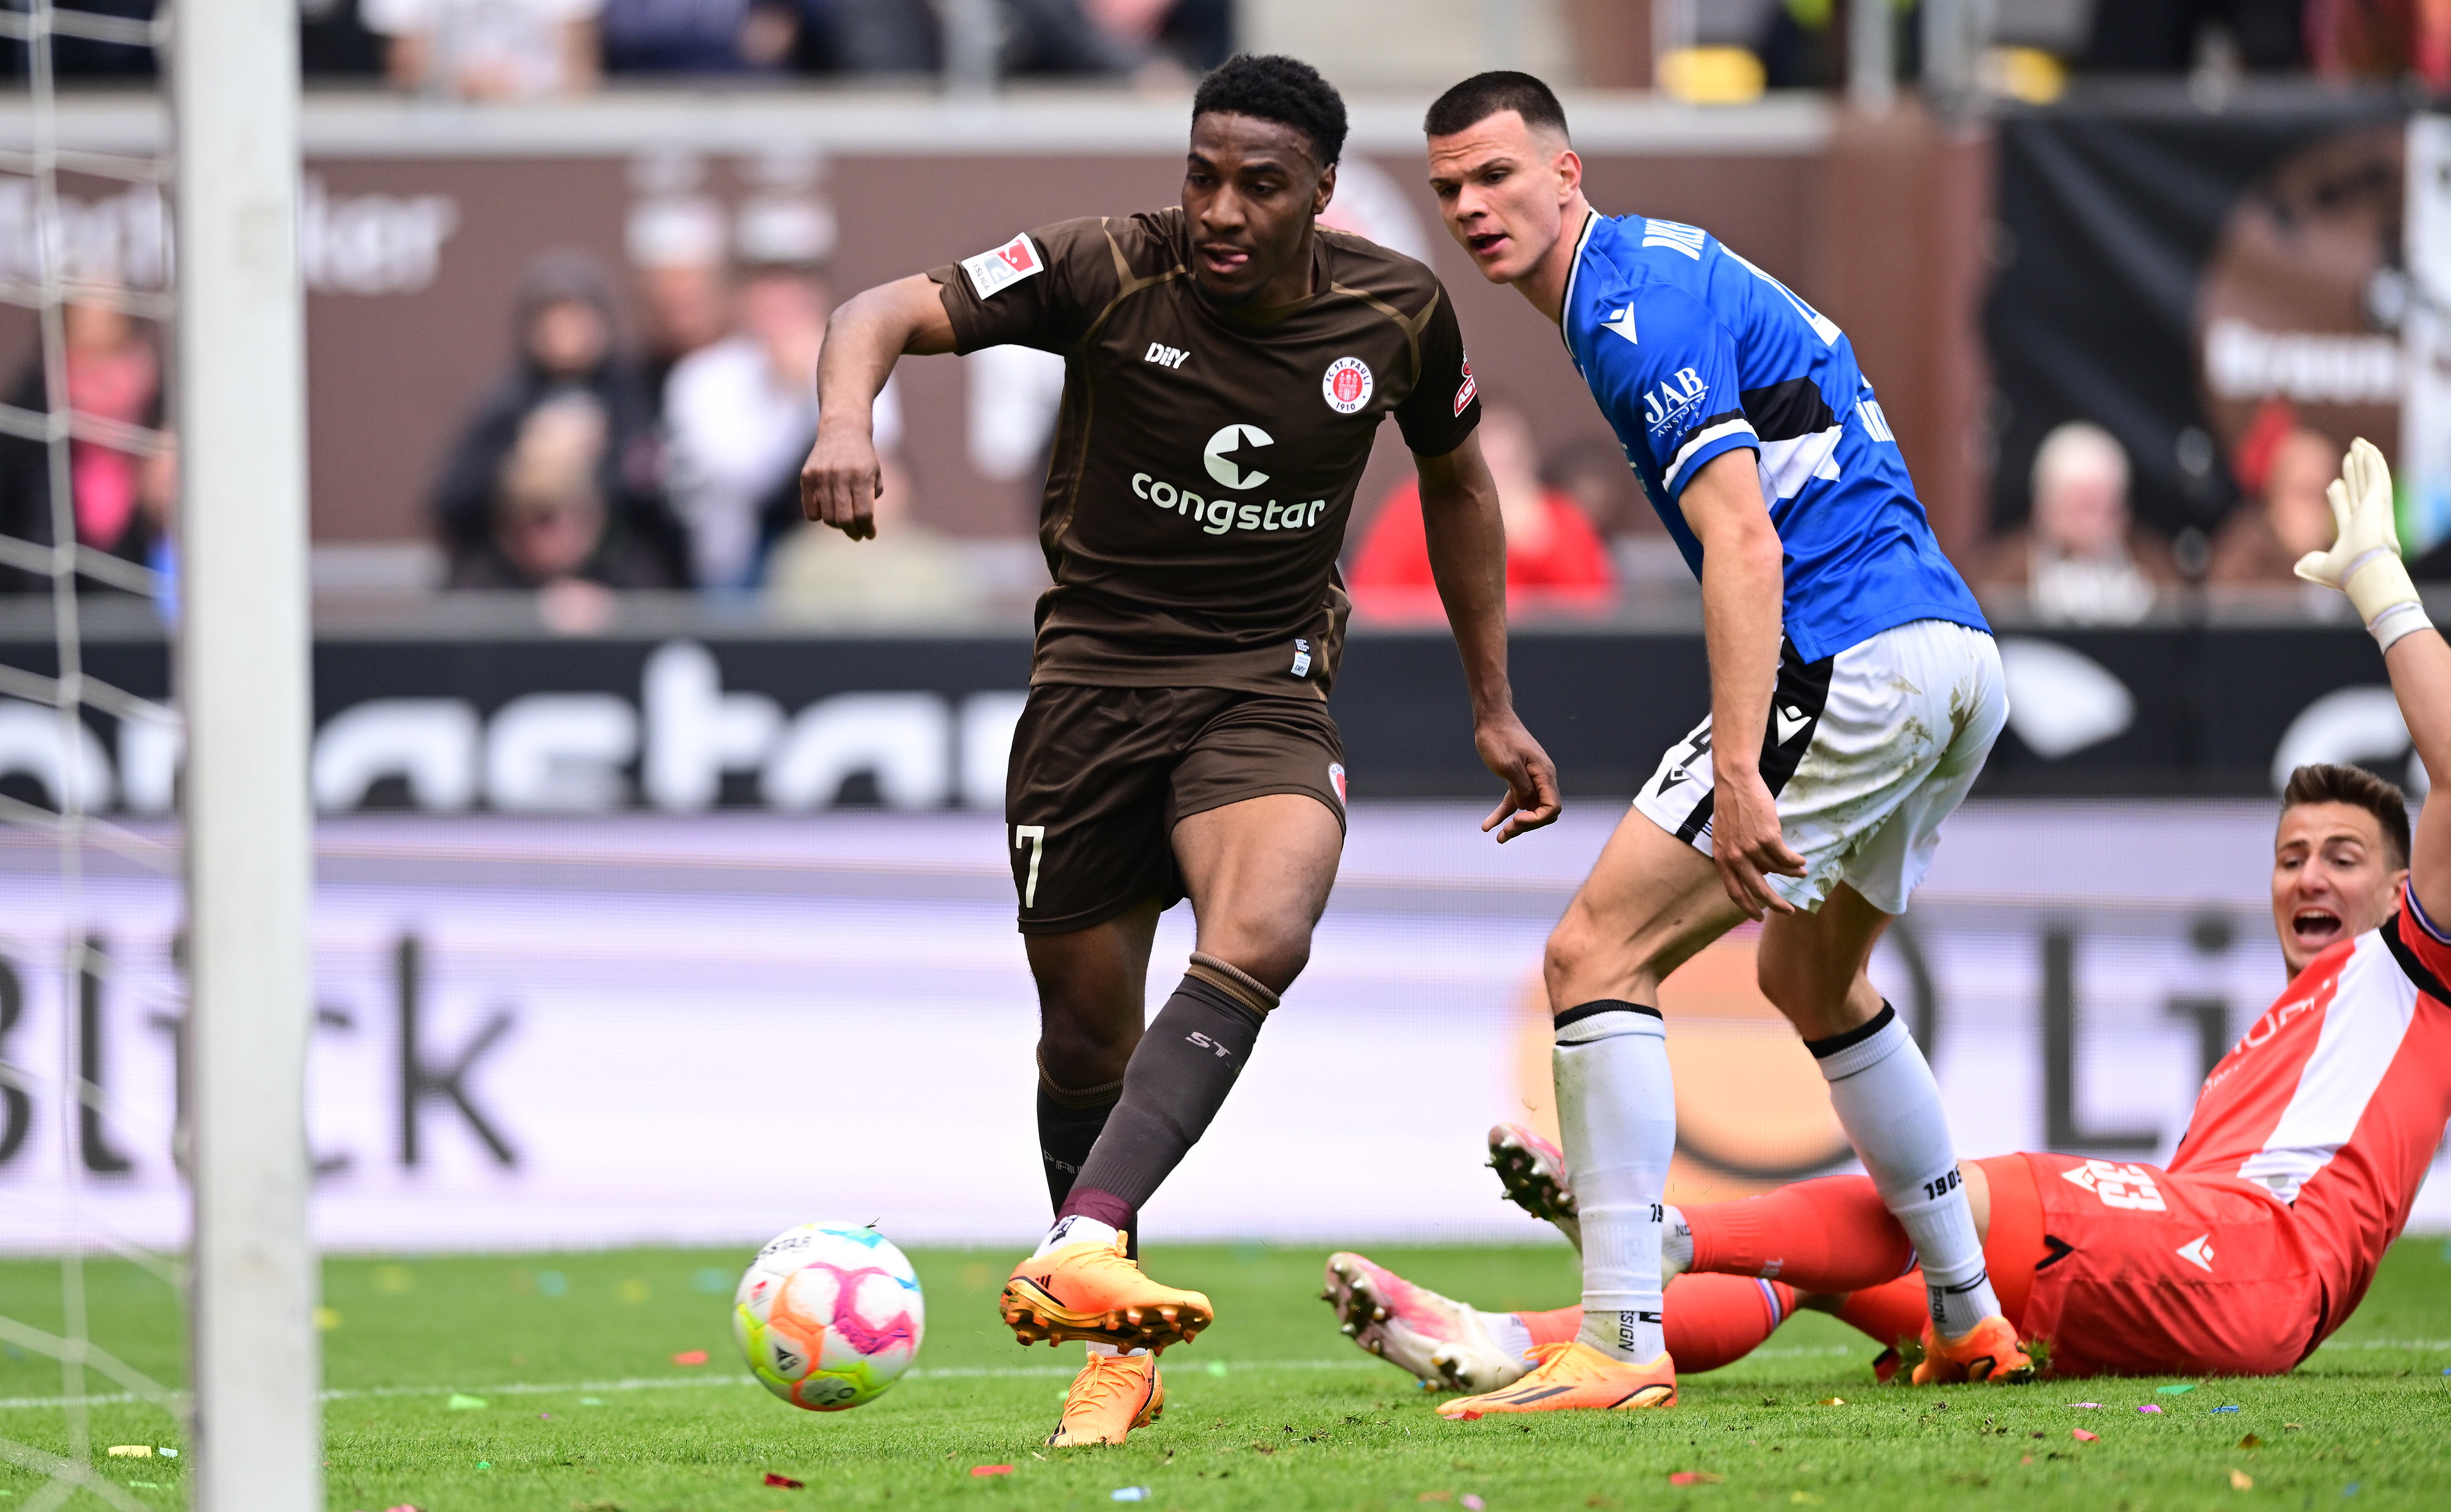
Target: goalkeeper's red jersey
x=2335, y=1100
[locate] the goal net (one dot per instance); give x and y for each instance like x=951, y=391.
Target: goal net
x=153, y=827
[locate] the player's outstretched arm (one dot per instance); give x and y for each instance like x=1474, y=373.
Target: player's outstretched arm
x=2364, y=563
x=840, y=483
x=2420, y=675
x=1743, y=584
x=1467, y=542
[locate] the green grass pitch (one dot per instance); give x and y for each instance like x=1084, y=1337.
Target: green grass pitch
x=583, y=1408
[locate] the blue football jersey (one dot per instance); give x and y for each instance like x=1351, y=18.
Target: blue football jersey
x=1692, y=351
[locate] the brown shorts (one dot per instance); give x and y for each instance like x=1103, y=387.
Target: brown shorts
x=1100, y=775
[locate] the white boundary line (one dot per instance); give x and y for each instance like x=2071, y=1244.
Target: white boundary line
x=543, y=1388
x=539, y=1389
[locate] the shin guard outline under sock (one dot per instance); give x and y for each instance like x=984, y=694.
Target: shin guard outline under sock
x=1890, y=1105
x=1617, y=1113
x=1177, y=1079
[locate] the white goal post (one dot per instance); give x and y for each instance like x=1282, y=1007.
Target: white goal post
x=243, y=686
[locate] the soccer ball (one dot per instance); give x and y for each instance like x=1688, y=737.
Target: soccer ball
x=829, y=1315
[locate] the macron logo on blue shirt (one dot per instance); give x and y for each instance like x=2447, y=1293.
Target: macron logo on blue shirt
x=1621, y=321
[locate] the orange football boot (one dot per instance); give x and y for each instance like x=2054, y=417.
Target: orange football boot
x=1989, y=1351
x=1573, y=1374
x=1112, y=1395
x=1094, y=1291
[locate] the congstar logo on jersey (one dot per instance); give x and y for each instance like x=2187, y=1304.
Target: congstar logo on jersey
x=1673, y=399
x=1229, y=461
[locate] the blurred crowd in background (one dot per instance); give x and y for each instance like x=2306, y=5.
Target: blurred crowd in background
x=1724, y=50
x=598, y=464
x=501, y=49
x=646, y=428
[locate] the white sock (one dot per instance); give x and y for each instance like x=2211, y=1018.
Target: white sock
x=1096, y=1348
x=1890, y=1105
x=1617, y=1111
x=1506, y=1330
x=1676, y=1246
x=1075, y=1230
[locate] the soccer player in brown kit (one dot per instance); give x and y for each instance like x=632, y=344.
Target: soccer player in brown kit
x=1227, y=366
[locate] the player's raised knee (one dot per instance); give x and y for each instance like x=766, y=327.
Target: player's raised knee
x=1579, y=963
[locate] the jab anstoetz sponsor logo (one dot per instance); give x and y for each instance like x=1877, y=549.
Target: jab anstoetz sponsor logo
x=1216, y=515
x=1673, y=399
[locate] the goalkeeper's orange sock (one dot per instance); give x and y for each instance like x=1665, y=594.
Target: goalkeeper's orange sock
x=1828, y=1235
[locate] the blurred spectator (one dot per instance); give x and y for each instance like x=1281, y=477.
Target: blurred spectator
x=677, y=249
x=2170, y=36
x=1060, y=36
x=120, y=503
x=2380, y=39
x=333, y=39
x=82, y=57
x=2080, y=560
x=907, y=574
x=550, y=529
x=1196, y=34
x=488, y=49
x=1805, y=45
x=1554, y=557
x=2285, y=468
x=1038, y=36
x=702, y=36
x=564, y=331
x=741, y=415
x=1594, y=473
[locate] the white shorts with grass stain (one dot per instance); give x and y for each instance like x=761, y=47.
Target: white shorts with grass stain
x=1867, y=752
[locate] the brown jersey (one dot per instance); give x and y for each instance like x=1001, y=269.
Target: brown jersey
x=1204, y=466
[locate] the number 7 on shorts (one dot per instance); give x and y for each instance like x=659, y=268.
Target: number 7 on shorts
x=1036, y=835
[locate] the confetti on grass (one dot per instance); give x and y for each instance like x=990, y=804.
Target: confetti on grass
x=991, y=1469
x=690, y=1357
x=1129, y=1493
x=463, y=1401
x=2151, y=1406
x=1695, y=1478
x=2241, y=1481
x=131, y=1451
x=2179, y=1390
x=783, y=1481
x=2083, y=1437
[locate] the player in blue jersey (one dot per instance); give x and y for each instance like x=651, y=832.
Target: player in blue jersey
x=1854, y=693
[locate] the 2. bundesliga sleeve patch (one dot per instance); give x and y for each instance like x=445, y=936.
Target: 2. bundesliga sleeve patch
x=1469, y=387
x=1347, y=385
x=1007, y=265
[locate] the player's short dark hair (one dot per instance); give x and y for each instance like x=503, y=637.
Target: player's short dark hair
x=1272, y=87
x=1487, y=94
x=2324, y=782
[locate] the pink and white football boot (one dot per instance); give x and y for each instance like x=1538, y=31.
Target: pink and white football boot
x=1444, y=1344
x=1534, y=1174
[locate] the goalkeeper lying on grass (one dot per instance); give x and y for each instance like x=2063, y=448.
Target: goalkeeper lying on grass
x=2305, y=1149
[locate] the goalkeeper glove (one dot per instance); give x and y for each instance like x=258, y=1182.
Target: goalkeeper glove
x=2365, y=560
